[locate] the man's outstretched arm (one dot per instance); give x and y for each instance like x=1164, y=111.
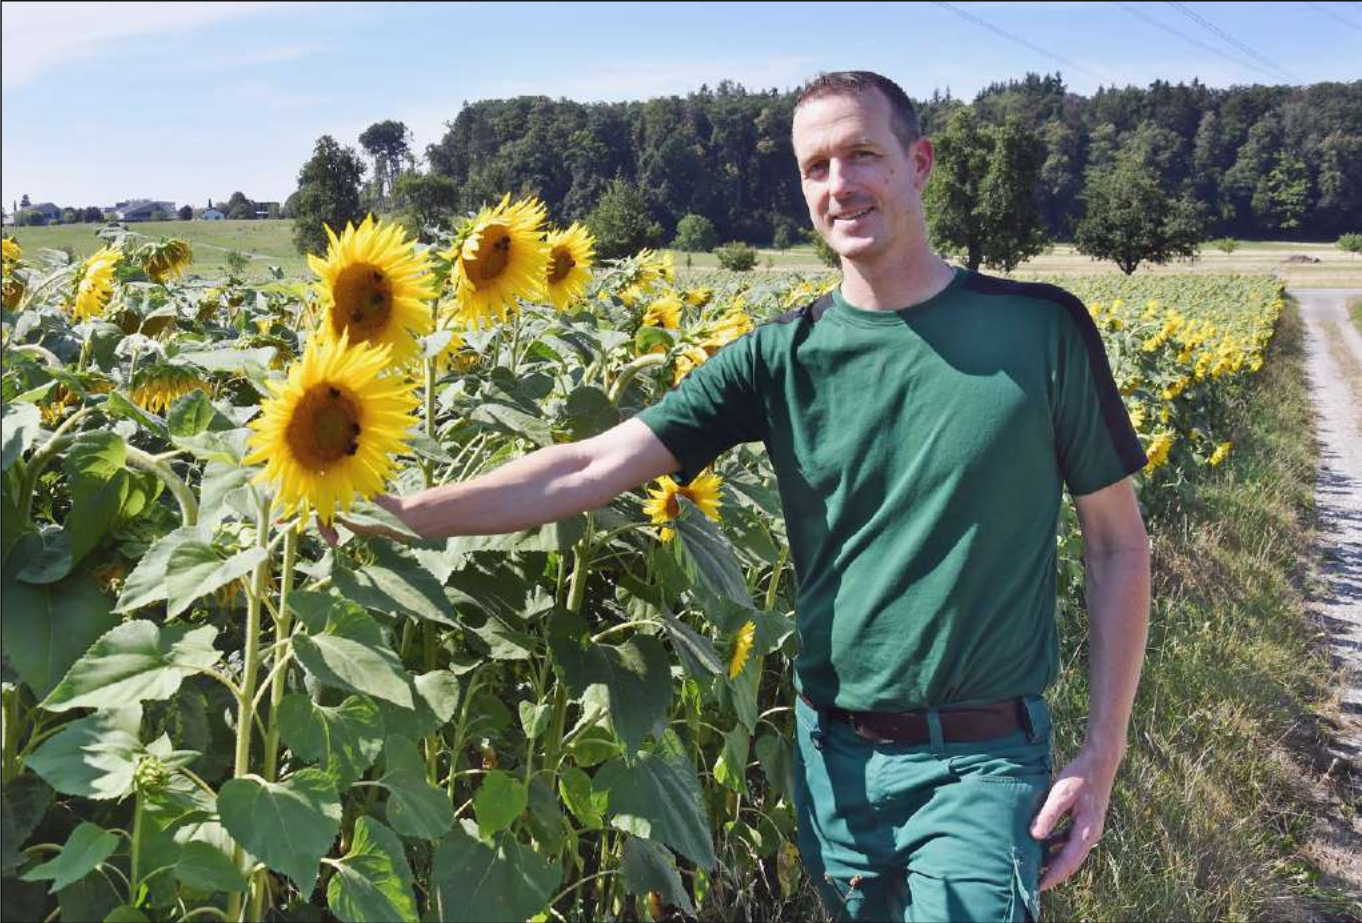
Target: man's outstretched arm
x=545, y=486
x=1117, y=589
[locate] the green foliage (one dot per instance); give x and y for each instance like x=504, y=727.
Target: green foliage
x=389, y=144
x=239, y=208
x=1225, y=245
x=982, y=199
x=1130, y=219
x=185, y=213
x=1350, y=243
x=427, y=199
x=237, y=263
x=736, y=256
x=695, y=234
x=328, y=195
x=621, y=224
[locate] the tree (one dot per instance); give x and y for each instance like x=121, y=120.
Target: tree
x=328, y=194
x=93, y=214
x=983, y=196
x=695, y=234
x=389, y=144
x=1350, y=243
x=239, y=207
x=621, y=222
x=1226, y=245
x=1128, y=218
x=185, y=213
x=736, y=256
x=823, y=250
x=427, y=199
x=24, y=202
x=1285, y=193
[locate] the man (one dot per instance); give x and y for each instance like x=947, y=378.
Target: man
x=922, y=422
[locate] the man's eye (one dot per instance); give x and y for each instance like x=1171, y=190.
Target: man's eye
x=864, y=154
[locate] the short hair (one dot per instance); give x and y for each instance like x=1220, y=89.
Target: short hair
x=903, y=114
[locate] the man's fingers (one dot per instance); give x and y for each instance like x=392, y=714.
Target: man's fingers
x=328, y=533
x=1081, y=839
x=1061, y=798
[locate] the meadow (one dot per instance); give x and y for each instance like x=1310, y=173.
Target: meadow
x=212, y=713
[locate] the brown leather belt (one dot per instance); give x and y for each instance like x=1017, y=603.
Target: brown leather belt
x=968, y=724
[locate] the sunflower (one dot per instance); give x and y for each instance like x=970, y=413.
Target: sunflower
x=725, y=330
x=157, y=387
x=166, y=258
x=497, y=257
x=95, y=285
x=664, y=312
x=373, y=288
x=13, y=286
x=1158, y=450
x=1221, y=453
x=330, y=430
x=663, y=506
x=641, y=273
x=742, y=647
x=571, y=254
x=12, y=251
x=691, y=358
x=699, y=297
x=456, y=356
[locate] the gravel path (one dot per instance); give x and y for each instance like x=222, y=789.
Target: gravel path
x=1334, y=349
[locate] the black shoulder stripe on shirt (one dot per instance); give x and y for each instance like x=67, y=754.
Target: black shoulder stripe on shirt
x=1114, y=413
x=813, y=310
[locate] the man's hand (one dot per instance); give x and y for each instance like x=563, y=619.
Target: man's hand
x=392, y=505
x=1082, y=791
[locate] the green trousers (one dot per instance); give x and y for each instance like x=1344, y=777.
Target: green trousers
x=937, y=831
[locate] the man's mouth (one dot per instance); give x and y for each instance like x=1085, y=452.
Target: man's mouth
x=852, y=216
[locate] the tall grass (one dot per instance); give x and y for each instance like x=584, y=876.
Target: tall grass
x=1208, y=813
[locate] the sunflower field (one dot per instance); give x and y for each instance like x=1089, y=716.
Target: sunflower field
x=212, y=712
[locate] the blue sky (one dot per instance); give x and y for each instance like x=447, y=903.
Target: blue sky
x=187, y=101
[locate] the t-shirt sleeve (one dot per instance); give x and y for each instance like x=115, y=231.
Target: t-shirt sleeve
x=1095, y=443
x=715, y=407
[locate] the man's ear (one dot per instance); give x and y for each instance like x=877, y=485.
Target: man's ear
x=922, y=155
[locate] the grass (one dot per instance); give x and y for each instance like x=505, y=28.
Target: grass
x=1355, y=312
x=1210, y=810
x=268, y=243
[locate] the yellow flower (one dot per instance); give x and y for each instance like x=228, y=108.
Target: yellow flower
x=727, y=329
x=157, y=387
x=691, y=358
x=11, y=291
x=1221, y=452
x=663, y=506
x=742, y=647
x=664, y=312
x=571, y=254
x=374, y=288
x=1137, y=417
x=331, y=429
x=455, y=356
x=1158, y=450
x=166, y=258
x=95, y=285
x=12, y=251
x=699, y=297
x=497, y=257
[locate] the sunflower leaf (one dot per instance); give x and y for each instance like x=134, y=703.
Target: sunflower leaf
x=134, y=662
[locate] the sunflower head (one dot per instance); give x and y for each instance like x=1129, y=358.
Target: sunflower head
x=94, y=283
x=663, y=506
x=157, y=386
x=742, y=648
x=13, y=291
x=166, y=258
x=497, y=257
x=374, y=288
x=12, y=251
x=331, y=429
x=571, y=254
x=664, y=312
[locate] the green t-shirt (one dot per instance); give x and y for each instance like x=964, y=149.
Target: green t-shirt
x=920, y=456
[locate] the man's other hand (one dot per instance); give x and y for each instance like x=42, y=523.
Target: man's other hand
x=1082, y=792
x=370, y=526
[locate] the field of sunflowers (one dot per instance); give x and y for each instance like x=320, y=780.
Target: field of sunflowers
x=210, y=712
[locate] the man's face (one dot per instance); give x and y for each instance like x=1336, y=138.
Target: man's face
x=864, y=191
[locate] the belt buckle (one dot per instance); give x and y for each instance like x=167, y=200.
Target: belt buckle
x=865, y=733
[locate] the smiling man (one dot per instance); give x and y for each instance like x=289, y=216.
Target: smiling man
x=922, y=421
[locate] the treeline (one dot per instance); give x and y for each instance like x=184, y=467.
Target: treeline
x=1262, y=161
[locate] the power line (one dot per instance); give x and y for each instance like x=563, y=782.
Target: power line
x=1020, y=41
x=1145, y=17
x=1216, y=30
x=1321, y=8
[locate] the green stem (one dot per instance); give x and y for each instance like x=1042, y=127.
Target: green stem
x=775, y=579
x=457, y=744
x=189, y=507
x=581, y=566
x=250, y=671
x=626, y=375
x=9, y=765
x=58, y=443
x=283, y=625
x=133, y=880
x=515, y=337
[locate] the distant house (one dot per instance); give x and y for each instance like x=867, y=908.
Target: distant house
x=142, y=209
x=210, y=214
x=51, y=214
x=266, y=209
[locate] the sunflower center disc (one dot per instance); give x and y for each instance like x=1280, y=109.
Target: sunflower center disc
x=562, y=265
x=324, y=428
x=494, y=252
x=364, y=301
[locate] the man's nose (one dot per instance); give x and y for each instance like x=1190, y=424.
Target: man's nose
x=839, y=177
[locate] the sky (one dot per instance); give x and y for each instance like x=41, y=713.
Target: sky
x=190, y=101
